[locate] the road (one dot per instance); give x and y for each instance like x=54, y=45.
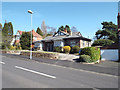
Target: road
x=25, y=73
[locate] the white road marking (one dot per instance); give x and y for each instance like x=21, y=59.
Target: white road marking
x=2, y=62
x=25, y=69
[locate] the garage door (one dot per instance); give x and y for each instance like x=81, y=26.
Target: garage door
x=109, y=54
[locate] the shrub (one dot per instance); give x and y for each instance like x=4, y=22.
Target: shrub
x=25, y=40
x=93, y=52
x=18, y=47
x=75, y=49
x=85, y=58
x=12, y=47
x=102, y=42
x=5, y=46
x=58, y=49
x=67, y=49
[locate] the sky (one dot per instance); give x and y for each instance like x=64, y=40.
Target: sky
x=85, y=16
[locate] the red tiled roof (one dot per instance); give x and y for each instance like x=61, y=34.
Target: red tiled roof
x=20, y=32
x=33, y=32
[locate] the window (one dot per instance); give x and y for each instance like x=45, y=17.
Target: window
x=73, y=43
x=17, y=37
x=35, y=38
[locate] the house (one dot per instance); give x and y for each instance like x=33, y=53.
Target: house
x=38, y=45
x=63, y=38
x=16, y=38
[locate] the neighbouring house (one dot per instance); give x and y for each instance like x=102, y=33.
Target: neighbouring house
x=38, y=45
x=63, y=38
x=16, y=38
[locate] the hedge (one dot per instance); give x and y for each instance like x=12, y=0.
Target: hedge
x=58, y=49
x=85, y=58
x=75, y=49
x=93, y=52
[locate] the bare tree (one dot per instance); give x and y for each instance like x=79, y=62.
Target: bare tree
x=74, y=29
x=52, y=30
x=44, y=28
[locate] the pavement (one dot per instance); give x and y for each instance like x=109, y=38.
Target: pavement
x=20, y=72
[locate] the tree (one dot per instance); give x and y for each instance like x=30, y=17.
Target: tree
x=102, y=42
x=74, y=29
x=10, y=29
x=7, y=34
x=44, y=28
x=109, y=31
x=39, y=31
x=68, y=28
x=61, y=28
x=0, y=27
x=25, y=40
x=7, y=29
x=52, y=30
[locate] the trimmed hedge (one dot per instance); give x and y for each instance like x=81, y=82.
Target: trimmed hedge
x=75, y=49
x=93, y=52
x=67, y=49
x=85, y=58
x=58, y=49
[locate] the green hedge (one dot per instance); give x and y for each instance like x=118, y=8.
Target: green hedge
x=57, y=49
x=93, y=52
x=85, y=58
x=75, y=49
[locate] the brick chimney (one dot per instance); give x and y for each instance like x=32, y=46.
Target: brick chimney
x=65, y=30
x=70, y=33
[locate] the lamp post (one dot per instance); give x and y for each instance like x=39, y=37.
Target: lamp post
x=118, y=18
x=29, y=11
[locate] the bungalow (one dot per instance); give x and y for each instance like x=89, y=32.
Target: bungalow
x=16, y=38
x=63, y=38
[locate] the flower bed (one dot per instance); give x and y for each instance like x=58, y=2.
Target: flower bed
x=47, y=55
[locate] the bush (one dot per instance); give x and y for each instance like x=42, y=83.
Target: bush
x=12, y=47
x=25, y=40
x=58, y=49
x=85, y=58
x=102, y=42
x=93, y=52
x=5, y=46
x=67, y=49
x=18, y=47
x=75, y=49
